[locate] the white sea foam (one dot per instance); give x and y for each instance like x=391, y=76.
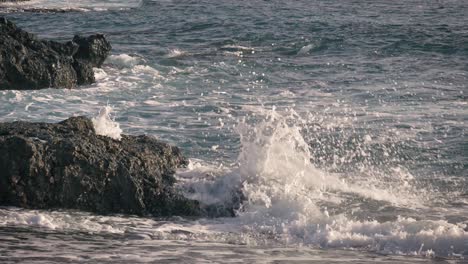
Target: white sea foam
x=238, y=47
x=175, y=53
x=123, y=60
x=126, y=71
x=105, y=125
x=234, y=53
x=100, y=74
x=58, y=220
x=146, y=70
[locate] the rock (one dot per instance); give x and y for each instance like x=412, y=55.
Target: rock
x=66, y=165
x=93, y=49
x=27, y=63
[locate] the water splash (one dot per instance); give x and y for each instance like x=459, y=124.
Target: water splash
x=289, y=200
x=105, y=125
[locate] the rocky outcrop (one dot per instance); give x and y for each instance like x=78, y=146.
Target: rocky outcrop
x=66, y=165
x=27, y=63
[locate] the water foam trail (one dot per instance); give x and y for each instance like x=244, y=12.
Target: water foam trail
x=58, y=220
x=288, y=199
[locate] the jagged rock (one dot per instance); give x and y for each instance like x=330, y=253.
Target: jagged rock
x=27, y=63
x=92, y=49
x=66, y=165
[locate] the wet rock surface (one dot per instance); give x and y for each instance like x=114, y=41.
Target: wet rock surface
x=28, y=63
x=66, y=165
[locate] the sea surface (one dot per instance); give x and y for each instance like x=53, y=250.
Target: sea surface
x=343, y=122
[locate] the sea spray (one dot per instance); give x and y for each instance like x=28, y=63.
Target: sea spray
x=105, y=125
x=286, y=199
x=289, y=198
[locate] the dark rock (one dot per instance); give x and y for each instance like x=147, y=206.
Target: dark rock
x=27, y=63
x=84, y=72
x=66, y=165
x=92, y=49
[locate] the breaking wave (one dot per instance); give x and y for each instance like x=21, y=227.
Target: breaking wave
x=284, y=197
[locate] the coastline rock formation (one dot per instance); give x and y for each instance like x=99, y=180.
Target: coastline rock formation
x=27, y=63
x=66, y=165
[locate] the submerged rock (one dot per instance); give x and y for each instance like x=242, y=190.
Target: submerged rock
x=66, y=165
x=27, y=63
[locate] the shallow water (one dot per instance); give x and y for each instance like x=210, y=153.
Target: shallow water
x=343, y=122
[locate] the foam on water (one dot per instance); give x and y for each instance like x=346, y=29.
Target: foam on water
x=132, y=228
x=58, y=221
x=175, y=53
x=123, y=60
x=127, y=71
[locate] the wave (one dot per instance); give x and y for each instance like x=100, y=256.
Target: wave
x=42, y=6
x=126, y=71
x=282, y=195
x=124, y=60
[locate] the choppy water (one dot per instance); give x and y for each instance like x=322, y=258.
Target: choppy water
x=343, y=122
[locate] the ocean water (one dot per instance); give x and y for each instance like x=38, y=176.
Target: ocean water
x=343, y=123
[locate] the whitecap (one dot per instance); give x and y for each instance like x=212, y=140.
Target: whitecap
x=123, y=60
x=306, y=49
x=175, y=53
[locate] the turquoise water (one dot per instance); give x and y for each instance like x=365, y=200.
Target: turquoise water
x=343, y=122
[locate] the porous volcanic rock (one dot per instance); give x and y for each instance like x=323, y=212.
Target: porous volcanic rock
x=66, y=165
x=28, y=63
